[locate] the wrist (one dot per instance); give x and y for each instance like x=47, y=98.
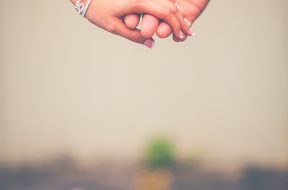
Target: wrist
x=81, y=6
x=73, y=1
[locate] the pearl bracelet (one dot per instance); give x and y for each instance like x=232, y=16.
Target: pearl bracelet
x=81, y=8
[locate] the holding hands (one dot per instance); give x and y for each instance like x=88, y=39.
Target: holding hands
x=162, y=17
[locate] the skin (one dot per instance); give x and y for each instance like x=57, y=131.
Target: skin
x=109, y=14
x=190, y=9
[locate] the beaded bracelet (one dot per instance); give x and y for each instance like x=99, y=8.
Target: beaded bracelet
x=81, y=8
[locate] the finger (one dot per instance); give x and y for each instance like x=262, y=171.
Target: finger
x=119, y=28
x=163, y=30
x=184, y=27
x=132, y=20
x=149, y=25
x=197, y=5
x=192, y=9
x=188, y=10
x=162, y=12
x=179, y=39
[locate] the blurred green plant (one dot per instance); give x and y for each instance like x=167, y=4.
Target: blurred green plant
x=160, y=154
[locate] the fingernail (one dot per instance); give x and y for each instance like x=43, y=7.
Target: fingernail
x=149, y=43
x=187, y=21
x=191, y=32
x=181, y=35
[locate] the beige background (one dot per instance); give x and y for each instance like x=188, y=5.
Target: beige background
x=69, y=87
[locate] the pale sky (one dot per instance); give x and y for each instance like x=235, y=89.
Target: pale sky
x=67, y=86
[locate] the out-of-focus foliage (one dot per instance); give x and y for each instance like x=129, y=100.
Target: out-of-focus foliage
x=160, y=153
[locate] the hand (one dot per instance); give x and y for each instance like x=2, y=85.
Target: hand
x=108, y=15
x=190, y=9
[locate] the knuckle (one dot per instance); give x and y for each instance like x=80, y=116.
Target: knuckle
x=111, y=27
x=173, y=10
x=166, y=13
x=134, y=37
x=170, y=12
x=139, y=4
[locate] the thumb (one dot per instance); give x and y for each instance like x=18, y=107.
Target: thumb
x=119, y=28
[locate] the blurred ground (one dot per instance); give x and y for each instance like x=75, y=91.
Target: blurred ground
x=64, y=174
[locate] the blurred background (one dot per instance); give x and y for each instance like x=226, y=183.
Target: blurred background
x=82, y=109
